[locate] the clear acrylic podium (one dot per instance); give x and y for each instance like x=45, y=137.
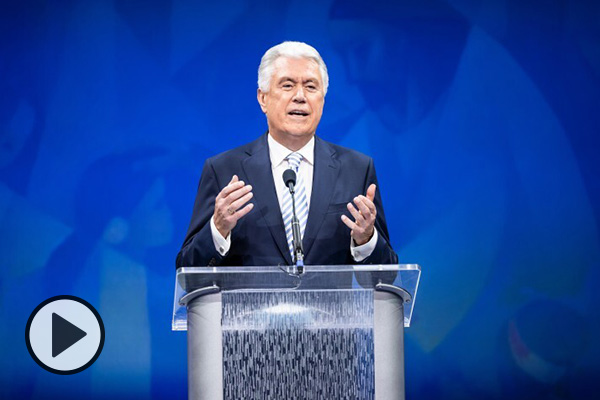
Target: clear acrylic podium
x=333, y=332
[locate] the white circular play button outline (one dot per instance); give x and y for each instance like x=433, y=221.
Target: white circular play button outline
x=80, y=355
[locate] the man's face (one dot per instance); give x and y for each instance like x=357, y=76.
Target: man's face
x=294, y=103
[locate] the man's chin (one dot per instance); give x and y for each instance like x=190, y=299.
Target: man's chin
x=299, y=132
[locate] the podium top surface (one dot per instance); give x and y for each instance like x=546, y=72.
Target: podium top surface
x=402, y=279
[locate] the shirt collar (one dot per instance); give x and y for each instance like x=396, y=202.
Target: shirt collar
x=278, y=152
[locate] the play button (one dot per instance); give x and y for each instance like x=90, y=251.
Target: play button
x=64, y=335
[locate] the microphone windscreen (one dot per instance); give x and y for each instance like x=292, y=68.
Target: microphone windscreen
x=289, y=176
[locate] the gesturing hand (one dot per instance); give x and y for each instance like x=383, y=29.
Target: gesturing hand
x=364, y=215
x=228, y=203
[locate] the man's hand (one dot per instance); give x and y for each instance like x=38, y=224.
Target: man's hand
x=364, y=215
x=228, y=203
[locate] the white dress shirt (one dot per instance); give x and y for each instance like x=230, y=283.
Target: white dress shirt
x=278, y=154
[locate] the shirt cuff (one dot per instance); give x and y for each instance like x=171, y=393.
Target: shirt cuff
x=222, y=245
x=361, y=252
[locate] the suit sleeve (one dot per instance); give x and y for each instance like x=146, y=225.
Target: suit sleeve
x=198, y=248
x=383, y=252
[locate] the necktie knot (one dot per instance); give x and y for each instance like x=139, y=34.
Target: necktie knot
x=294, y=160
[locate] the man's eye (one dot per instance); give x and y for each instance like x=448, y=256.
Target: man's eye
x=287, y=85
x=311, y=87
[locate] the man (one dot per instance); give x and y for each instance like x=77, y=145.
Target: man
x=242, y=214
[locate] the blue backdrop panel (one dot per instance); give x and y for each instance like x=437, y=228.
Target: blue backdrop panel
x=482, y=118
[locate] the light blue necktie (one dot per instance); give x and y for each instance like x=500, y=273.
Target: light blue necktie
x=294, y=160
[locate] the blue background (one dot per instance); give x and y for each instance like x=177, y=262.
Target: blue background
x=482, y=117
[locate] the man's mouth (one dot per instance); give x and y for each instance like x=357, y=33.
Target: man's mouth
x=298, y=113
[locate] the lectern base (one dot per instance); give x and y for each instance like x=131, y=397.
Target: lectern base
x=296, y=344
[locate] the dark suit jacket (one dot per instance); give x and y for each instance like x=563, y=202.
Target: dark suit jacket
x=259, y=238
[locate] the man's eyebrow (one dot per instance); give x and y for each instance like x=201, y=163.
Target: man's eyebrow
x=286, y=78
x=290, y=79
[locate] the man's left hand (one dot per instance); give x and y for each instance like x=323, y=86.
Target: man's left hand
x=364, y=212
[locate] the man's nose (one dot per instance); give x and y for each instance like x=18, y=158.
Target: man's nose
x=299, y=95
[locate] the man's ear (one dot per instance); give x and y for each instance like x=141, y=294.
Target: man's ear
x=262, y=100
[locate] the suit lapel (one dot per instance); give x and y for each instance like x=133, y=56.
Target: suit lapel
x=258, y=170
x=326, y=170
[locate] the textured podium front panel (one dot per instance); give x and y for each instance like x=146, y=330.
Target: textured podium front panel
x=298, y=345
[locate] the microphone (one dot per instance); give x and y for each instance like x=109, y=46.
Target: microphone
x=289, y=178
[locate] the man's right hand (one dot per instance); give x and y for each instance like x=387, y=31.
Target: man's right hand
x=228, y=203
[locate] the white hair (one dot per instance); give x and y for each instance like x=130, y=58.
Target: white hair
x=291, y=50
